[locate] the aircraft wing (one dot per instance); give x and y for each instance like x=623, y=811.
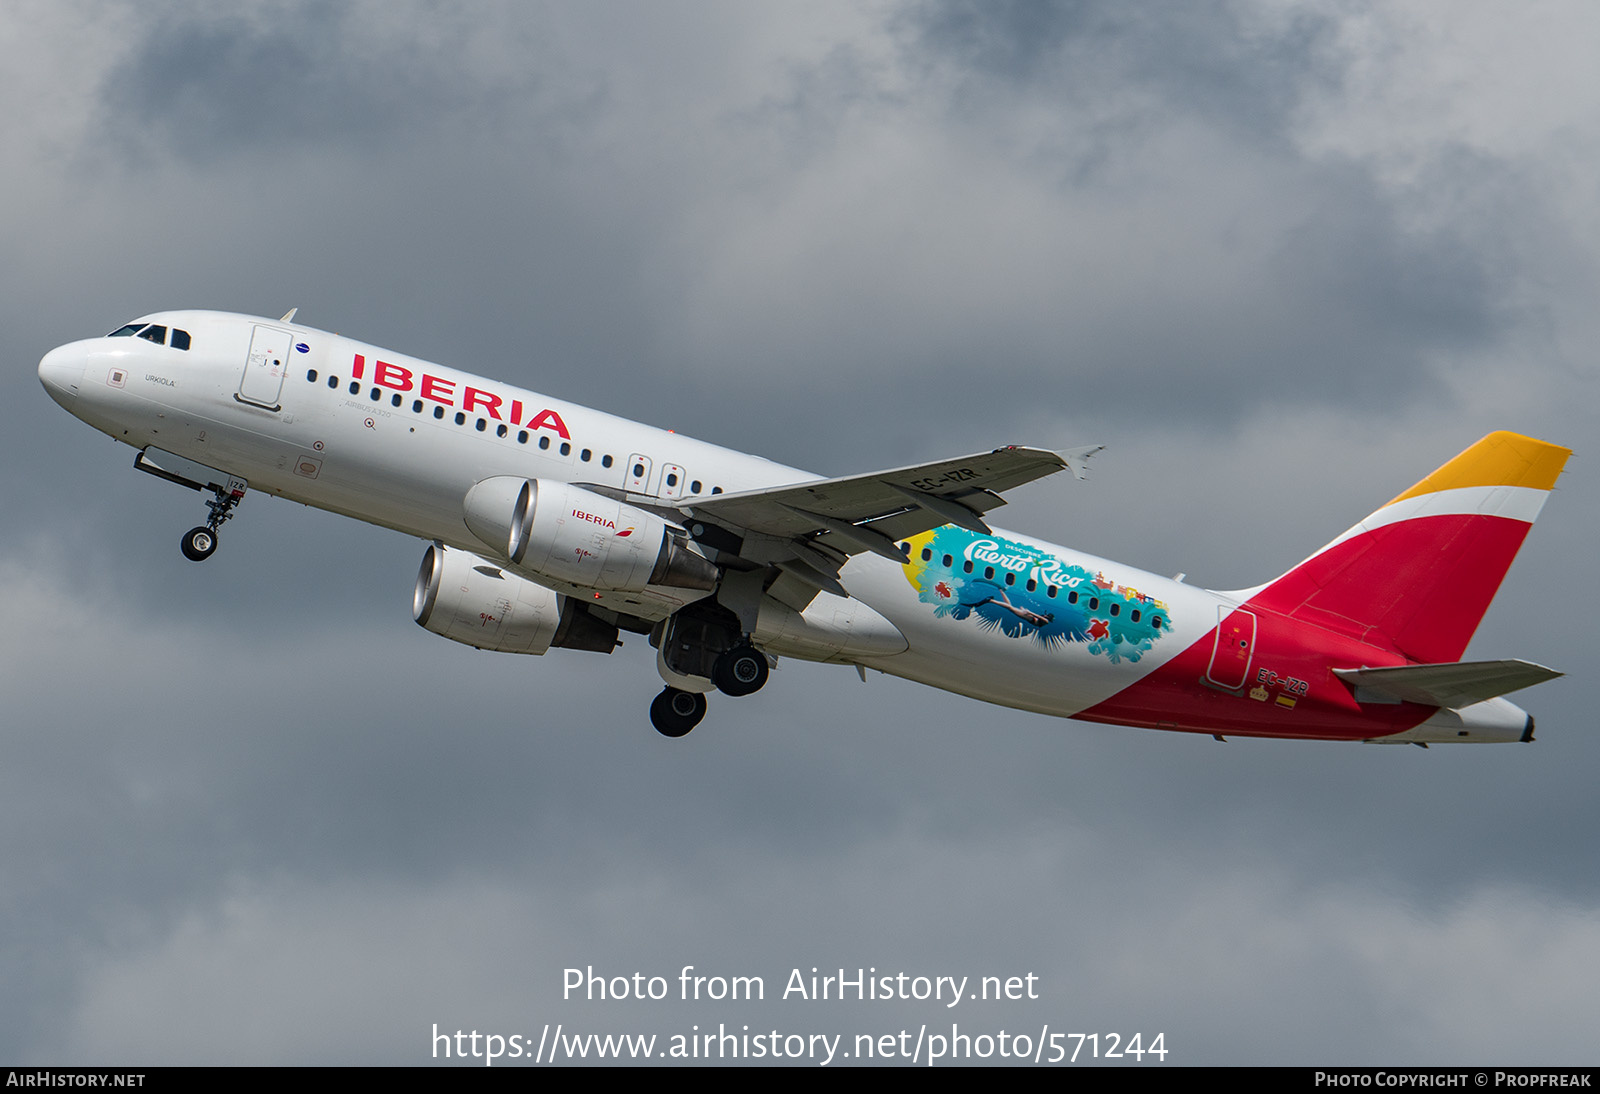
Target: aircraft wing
x=874, y=512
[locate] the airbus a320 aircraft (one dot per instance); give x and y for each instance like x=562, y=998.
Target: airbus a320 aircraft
x=553, y=525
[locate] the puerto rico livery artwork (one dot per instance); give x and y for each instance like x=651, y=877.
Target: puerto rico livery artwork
x=550, y=525
x=1023, y=592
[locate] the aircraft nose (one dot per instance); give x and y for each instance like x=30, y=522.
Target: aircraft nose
x=61, y=371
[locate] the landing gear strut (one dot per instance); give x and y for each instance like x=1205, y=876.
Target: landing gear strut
x=199, y=544
x=676, y=712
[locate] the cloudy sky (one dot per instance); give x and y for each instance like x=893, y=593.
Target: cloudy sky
x=1281, y=258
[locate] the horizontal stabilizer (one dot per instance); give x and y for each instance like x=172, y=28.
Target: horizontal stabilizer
x=1453, y=686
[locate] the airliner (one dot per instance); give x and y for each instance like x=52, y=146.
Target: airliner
x=550, y=525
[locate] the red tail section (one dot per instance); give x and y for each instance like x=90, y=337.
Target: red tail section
x=1417, y=575
x=1331, y=649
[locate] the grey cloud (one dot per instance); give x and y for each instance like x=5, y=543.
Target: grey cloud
x=1102, y=193
x=1233, y=65
x=253, y=801
x=270, y=80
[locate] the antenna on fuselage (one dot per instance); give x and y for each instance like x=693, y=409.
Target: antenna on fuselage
x=288, y=316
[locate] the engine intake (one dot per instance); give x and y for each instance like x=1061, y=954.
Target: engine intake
x=470, y=600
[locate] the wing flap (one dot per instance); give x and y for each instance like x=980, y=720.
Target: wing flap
x=888, y=503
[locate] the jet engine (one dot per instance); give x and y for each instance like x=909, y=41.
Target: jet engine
x=473, y=601
x=577, y=537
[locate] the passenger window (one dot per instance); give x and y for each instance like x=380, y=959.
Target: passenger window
x=1155, y=621
x=180, y=340
x=1135, y=615
x=1011, y=579
x=1072, y=597
x=416, y=406
x=154, y=333
x=967, y=566
x=333, y=382
x=1094, y=603
x=375, y=394
x=311, y=376
x=584, y=455
x=927, y=555
x=1032, y=585
x=946, y=562
x=1116, y=609
x=544, y=442
x=482, y=425
x=672, y=480
x=605, y=461
x=438, y=412
x=355, y=387
x=396, y=400
x=638, y=470
x=522, y=437
x=1050, y=591
x=694, y=487
x=566, y=449
x=501, y=430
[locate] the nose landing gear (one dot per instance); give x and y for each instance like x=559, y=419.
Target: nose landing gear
x=199, y=544
x=227, y=491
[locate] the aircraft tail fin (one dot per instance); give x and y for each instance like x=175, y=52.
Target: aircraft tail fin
x=1418, y=574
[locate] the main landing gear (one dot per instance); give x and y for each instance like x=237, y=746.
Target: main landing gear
x=199, y=544
x=697, y=649
x=740, y=671
x=676, y=712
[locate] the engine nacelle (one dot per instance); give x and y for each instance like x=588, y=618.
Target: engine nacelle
x=470, y=600
x=577, y=537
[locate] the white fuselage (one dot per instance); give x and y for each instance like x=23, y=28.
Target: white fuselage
x=395, y=441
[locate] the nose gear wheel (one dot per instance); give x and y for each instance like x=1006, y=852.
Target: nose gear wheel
x=199, y=544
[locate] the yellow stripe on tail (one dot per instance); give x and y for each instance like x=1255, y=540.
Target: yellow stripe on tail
x=1500, y=459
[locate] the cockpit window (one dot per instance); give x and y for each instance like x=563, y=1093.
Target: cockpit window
x=153, y=332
